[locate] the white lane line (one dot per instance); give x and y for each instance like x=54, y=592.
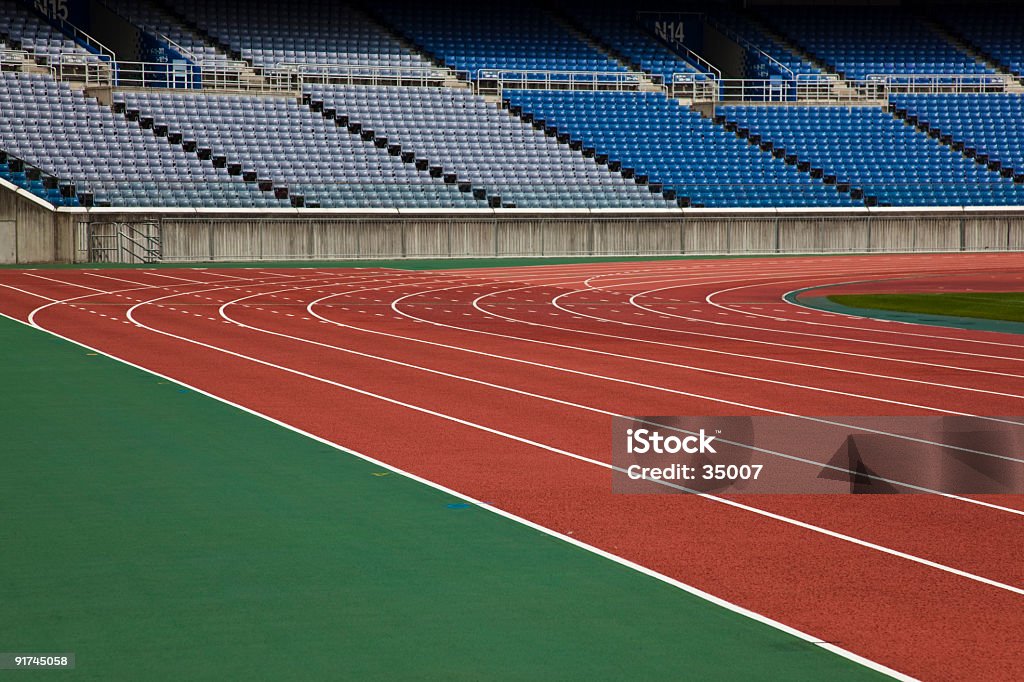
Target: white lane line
x=28, y=293
x=396, y=306
x=239, y=303
x=647, y=386
x=864, y=328
x=689, y=589
x=565, y=453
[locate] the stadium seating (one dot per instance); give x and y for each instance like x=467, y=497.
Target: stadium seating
x=997, y=32
x=158, y=22
x=269, y=33
x=620, y=31
x=989, y=124
x=859, y=41
x=486, y=146
x=676, y=147
x=76, y=139
x=19, y=27
x=280, y=145
x=747, y=31
x=868, y=149
x=505, y=37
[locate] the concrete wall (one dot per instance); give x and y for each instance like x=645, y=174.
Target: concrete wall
x=27, y=228
x=32, y=232
x=332, y=236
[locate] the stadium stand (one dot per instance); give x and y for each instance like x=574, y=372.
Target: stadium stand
x=321, y=32
x=74, y=138
x=630, y=146
x=858, y=42
x=694, y=160
x=997, y=32
x=21, y=29
x=623, y=34
x=502, y=158
x=160, y=23
x=501, y=37
x=985, y=126
x=288, y=151
x=749, y=33
x=867, y=149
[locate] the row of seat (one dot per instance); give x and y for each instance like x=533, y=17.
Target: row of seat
x=868, y=149
x=674, y=146
x=989, y=124
x=483, y=145
x=862, y=41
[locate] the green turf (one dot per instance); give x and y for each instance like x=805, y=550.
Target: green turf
x=161, y=535
x=1008, y=307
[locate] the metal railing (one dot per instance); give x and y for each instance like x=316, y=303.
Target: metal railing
x=14, y=58
x=87, y=69
x=78, y=34
x=342, y=74
x=695, y=87
x=182, y=75
x=735, y=36
x=678, y=46
x=805, y=89
x=495, y=81
x=124, y=242
x=942, y=83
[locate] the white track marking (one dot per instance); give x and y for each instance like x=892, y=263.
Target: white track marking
x=238, y=302
x=397, y=303
x=565, y=453
x=862, y=328
x=734, y=608
x=647, y=386
x=773, y=330
x=28, y=293
x=714, y=351
x=688, y=332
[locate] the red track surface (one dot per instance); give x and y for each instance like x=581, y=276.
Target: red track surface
x=404, y=366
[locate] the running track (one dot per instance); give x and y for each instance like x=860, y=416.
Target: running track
x=500, y=384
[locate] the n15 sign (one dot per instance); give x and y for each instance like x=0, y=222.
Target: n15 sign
x=54, y=9
x=670, y=31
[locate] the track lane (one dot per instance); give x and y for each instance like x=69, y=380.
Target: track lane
x=174, y=319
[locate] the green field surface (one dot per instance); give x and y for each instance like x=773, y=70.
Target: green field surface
x=159, y=534
x=1007, y=307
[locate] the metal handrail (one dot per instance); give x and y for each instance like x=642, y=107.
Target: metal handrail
x=78, y=33
x=681, y=48
x=731, y=33
x=799, y=90
x=942, y=83
x=495, y=81
x=346, y=74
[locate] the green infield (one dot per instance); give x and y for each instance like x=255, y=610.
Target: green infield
x=1008, y=307
x=157, y=533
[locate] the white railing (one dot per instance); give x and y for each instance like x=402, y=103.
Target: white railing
x=342, y=74
x=191, y=56
x=82, y=68
x=495, y=81
x=14, y=57
x=735, y=36
x=694, y=86
x=176, y=76
x=677, y=45
x=943, y=83
x=805, y=89
x=77, y=33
